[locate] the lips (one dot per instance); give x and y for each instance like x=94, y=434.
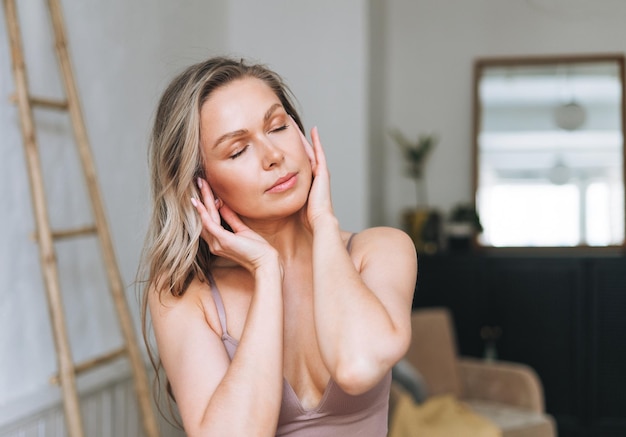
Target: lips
x=283, y=183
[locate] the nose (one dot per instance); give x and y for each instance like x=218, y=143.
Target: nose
x=272, y=155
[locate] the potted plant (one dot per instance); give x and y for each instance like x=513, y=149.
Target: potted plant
x=421, y=223
x=415, y=155
x=463, y=226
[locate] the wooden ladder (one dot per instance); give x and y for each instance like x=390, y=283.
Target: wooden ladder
x=46, y=236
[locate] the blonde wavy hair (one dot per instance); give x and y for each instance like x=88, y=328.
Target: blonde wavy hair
x=174, y=253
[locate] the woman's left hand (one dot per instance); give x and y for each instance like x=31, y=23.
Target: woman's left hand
x=319, y=205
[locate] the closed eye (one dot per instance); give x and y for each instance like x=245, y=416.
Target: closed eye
x=280, y=128
x=238, y=153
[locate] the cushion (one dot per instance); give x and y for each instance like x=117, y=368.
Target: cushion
x=514, y=422
x=438, y=416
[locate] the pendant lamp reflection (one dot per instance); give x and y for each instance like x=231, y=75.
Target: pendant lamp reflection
x=560, y=173
x=570, y=116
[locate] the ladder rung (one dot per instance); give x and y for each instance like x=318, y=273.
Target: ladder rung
x=76, y=232
x=98, y=361
x=45, y=103
x=68, y=233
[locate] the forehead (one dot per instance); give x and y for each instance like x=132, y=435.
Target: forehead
x=235, y=106
x=246, y=94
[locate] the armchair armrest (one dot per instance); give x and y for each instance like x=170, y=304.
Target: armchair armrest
x=513, y=384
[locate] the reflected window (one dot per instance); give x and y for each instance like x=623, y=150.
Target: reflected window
x=550, y=154
x=530, y=215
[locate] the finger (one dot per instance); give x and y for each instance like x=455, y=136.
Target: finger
x=209, y=200
x=320, y=157
x=208, y=223
x=232, y=218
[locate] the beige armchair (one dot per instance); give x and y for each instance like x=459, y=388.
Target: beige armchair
x=510, y=395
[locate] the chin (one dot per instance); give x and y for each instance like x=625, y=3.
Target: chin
x=290, y=209
x=275, y=210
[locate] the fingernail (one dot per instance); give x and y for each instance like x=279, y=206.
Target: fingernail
x=194, y=202
x=199, y=183
x=218, y=203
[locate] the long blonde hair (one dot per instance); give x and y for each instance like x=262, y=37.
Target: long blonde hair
x=174, y=253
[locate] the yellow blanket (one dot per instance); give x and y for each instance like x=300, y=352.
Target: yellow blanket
x=439, y=416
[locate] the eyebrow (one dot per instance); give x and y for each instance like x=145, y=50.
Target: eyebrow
x=270, y=111
x=240, y=132
x=230, y=135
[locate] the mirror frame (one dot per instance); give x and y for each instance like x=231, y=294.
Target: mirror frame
x=479, y=65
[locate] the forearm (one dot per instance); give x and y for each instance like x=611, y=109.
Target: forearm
x=356, y=334
x=247, y=401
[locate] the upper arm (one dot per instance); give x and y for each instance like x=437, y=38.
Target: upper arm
x=192, y=353
x=387, y=262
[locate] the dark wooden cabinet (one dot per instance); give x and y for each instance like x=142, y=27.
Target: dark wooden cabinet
x=564, y=316
x=607, y=348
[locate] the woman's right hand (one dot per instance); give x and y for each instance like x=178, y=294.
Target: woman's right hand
x=243, y=245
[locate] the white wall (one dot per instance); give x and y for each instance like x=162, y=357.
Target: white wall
x=123, y=53
x=320, y=49
x=430, y=48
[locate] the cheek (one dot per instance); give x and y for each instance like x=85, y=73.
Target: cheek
x=306, y=164
x=300, y=152
x=229, y=186
x=218, y=180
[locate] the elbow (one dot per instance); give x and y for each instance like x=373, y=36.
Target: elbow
x=198, y=429
x=195, y=431
x=356, y=376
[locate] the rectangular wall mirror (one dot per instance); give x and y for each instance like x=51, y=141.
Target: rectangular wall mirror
x=549, y=151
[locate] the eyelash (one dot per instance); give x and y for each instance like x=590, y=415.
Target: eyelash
x=280, y=128
x=237, y=154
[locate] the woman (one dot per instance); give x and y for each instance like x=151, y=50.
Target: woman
x=269, y=319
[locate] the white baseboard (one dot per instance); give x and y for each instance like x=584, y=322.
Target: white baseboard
x=108, y=405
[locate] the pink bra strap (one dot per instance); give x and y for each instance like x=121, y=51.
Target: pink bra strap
x=349, y=245
x=219, y=304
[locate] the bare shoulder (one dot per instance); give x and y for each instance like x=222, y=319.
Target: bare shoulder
x=386, y=259
x=383, y=241
x=195, y=302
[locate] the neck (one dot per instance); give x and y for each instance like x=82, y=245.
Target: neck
x=288, y=235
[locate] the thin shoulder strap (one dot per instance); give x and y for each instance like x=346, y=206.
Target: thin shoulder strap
x=219, y=304
x=349, y=245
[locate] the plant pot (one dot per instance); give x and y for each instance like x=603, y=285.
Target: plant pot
x=424, y=227
x=460, y=236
